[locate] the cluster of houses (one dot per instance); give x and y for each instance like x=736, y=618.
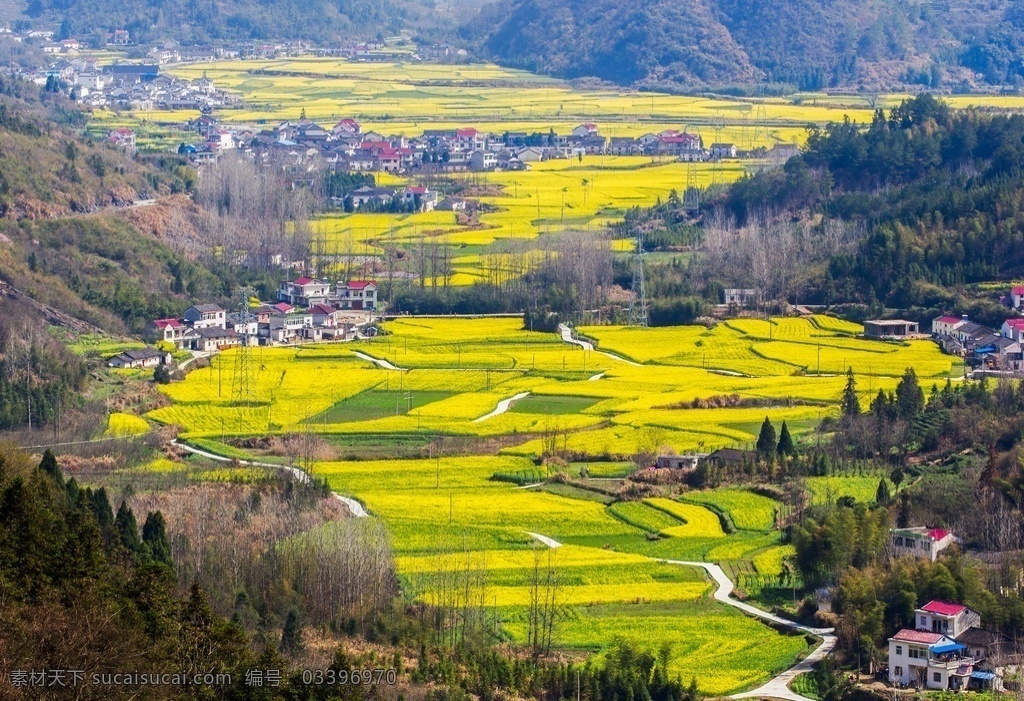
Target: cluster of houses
x=347, y=147
x=947, y=649
x=991, y=350
x=306, y=310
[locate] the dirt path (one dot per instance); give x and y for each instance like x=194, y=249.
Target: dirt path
x=503, y=406
x=354, y=506
x=587, y=346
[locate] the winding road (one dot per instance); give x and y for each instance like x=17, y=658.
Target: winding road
x=503, y=406
x=383, y=363
x=778, y=687
x=354, y=506
x=587, y=346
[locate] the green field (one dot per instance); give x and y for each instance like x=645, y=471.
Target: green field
x=454, y=372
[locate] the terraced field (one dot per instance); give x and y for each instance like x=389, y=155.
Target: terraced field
x=455, y=372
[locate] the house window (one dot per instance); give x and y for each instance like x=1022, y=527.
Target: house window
x=899, y=542
x=924, y=621
x=899, y=649
x=898, y=672
x=937, y=676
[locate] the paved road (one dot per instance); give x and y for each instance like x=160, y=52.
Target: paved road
x=383, y=363
x=354, y=506
x=503, y=406
x=596, y=377
x=778, y=687
x=587, y=346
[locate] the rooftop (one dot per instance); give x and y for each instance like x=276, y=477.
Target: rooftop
x=918, y=636
x=943, y=608
x=207, y=308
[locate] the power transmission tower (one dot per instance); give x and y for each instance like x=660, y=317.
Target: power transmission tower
x=760, y=122
x=691, y=195
x=243, y=382
x=638, y=295
x=717, y=124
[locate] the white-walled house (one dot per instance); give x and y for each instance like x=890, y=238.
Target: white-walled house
x=1017, y=296
x=928, y=660
x=920, y=542
x=206, y=316
x=357, y=294
x=946, y=325
x=1013, y=329
x=303, y=291
x=946, y=618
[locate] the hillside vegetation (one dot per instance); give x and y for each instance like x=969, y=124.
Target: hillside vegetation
x=808, y=44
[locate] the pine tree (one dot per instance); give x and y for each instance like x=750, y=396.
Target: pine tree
x=882, y=496
x=154, y=537
x=128, y=529
x=291, y=636
x=909, y=395
x=850, y=402
x=104, y=516
x=766, y=442
x=785, y=447
x=50, y=467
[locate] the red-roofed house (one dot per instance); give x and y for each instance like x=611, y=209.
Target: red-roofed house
x=946, y=325
x=325, y=315
x=928, y=660
x=469, y=140
x=304, y=291
x=946, y=618
x=283, y=308
x=125, y=138
x=170, y=330
x=1017, y=296
x=920, y=542
x=357, y=294
x=588, y=129
x=347, y=127
x=1013, y=329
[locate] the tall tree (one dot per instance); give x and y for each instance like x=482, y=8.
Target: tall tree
x=785, y=446
x=154, y=537
x=128, y=529
x=909, y=395
x=850, y=403
x=766, y=442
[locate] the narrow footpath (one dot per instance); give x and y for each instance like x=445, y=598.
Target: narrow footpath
x=503, y=406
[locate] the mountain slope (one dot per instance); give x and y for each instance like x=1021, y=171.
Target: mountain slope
x=693, y=43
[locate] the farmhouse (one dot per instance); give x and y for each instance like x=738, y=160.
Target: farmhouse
x=213, y=338
x=920, y=542
x=168, y=330
x=742, y=297
x=303, y=292
x=1017, y=296
x=928, y=660
x=679, y=462
x=946, y=325
x=731, y=457
x=723, y=150
x=890, y=328
x=204, y=316
x=143, y=358
x=357, y=294
x=1013, y=329
x=419, y=198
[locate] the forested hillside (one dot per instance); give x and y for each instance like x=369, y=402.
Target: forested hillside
x=806, y=44
x=940, y=194
x=208, y=20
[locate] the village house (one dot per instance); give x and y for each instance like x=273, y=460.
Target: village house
x=928, y=660
x=1013, y=329
x=357, y=295
x=890, y=328
x=482, y=160
x=1017, y=296
x=209, y=339
x=166, y=330
x=141, y=358
x=735, y=297
x=920, y=542
x=123, y=138
x=451, y=204
x=284, y=328
x=723, y=150
x=203, y=316
x=373, y=196
x=325, y=315
x=244, y=324
x=419, y=198
x=947, y=325
x=303, y=291
x=685, y=463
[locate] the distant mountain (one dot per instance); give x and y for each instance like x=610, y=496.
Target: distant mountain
x=809, y=44
x=208, y=20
